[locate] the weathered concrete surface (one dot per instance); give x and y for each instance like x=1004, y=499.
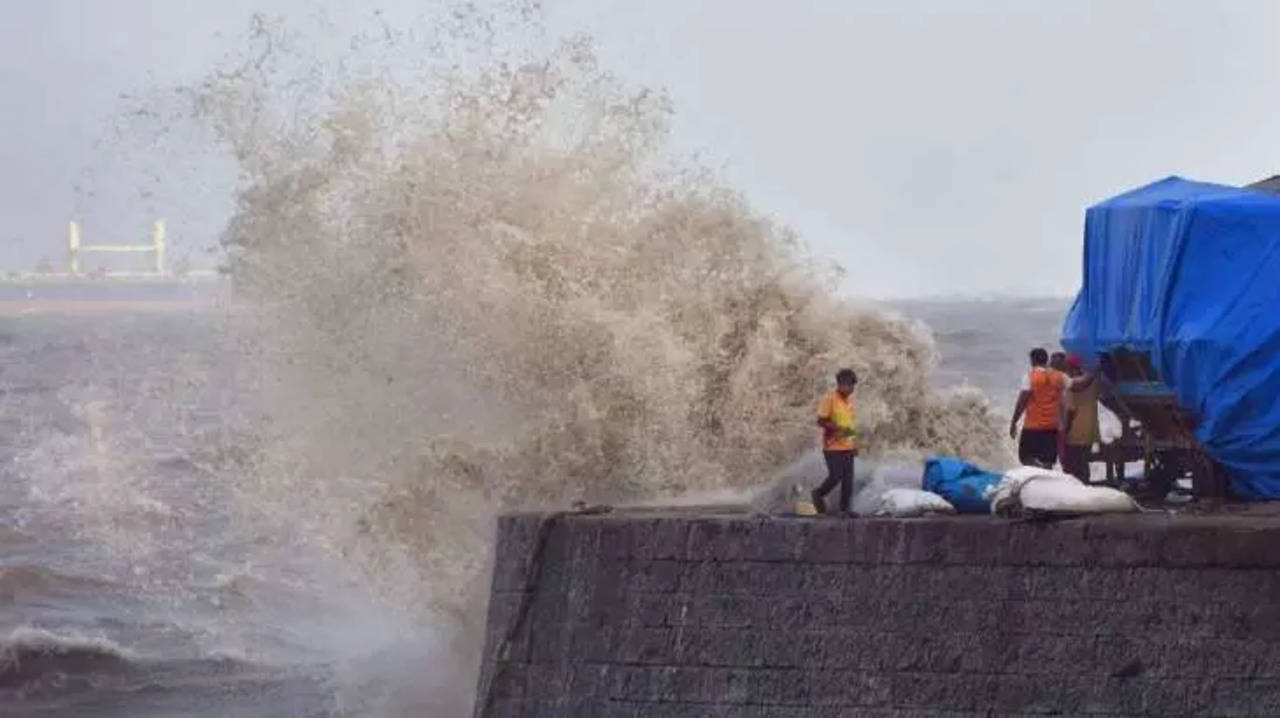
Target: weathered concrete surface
x=680, y=615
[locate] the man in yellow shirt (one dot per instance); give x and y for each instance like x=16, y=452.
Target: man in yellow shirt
x=1081, y=423
x=837, y=418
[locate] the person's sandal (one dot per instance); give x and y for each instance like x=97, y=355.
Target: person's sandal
x=818, y=503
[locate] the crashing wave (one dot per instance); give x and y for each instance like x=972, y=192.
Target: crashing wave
x=490, y=285
x=30, y=654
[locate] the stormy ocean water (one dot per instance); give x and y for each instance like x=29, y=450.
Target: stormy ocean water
x=129, y=585
x=473, y=281
x=90, y=616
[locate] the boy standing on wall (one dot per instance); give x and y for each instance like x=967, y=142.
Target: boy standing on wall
x=838, y=421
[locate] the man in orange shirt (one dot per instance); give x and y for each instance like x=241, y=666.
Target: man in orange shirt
x=838, y=421
x=1041, y=399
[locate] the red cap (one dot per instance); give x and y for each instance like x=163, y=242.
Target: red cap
x=1074, y=361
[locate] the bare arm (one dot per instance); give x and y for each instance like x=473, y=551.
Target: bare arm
x=1023, y=397
x=1082, y=382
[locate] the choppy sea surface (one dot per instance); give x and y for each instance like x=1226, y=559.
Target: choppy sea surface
x=118, y=601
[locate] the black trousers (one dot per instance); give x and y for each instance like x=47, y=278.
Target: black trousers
x=839, y=471
x=1038, y=447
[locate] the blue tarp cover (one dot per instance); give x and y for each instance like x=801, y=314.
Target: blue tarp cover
x=961, y=483
x=1191, y=273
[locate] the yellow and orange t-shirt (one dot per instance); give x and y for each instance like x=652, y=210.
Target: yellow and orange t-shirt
x=839, y=409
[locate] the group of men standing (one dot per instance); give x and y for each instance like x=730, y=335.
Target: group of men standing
x=1058, y=405
x=1059, y=400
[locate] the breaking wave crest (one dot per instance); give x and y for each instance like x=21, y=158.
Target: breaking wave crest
x=30, y=654
x=488, y=284
x=504, y=292
x=499, y=290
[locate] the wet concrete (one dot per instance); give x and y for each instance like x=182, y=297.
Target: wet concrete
x=684, y=613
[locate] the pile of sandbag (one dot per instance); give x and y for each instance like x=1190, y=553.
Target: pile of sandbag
x=949, y=485
x=1031, y=491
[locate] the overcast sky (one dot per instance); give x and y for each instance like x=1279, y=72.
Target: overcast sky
x=930, y=148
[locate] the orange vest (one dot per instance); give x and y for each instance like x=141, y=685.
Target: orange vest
x=1046, y=399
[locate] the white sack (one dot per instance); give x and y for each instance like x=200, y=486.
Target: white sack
x=905, y=503
x=1029, y=489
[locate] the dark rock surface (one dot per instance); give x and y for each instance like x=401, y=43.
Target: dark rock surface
x=681, y=614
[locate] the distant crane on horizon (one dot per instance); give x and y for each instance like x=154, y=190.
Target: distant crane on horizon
x=77, y=250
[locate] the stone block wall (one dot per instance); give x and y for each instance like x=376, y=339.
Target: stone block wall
x=682, y=615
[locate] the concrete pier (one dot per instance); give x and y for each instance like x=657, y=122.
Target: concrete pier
x=680, y=614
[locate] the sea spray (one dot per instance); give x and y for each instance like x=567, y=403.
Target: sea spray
x=501, y=291
x=487, y=284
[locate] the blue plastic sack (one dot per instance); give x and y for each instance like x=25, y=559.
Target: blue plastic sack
x=961, y=483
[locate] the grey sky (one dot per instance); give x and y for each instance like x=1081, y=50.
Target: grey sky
x=930, y=148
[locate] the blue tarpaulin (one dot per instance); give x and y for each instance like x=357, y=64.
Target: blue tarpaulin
x=961, y=483
x=1190, y=272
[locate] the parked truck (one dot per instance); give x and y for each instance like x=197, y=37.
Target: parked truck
x=1179, y=310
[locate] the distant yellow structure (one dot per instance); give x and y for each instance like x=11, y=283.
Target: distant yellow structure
x=157, y=246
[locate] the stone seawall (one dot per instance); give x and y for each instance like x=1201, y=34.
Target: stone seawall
x=632, y=615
